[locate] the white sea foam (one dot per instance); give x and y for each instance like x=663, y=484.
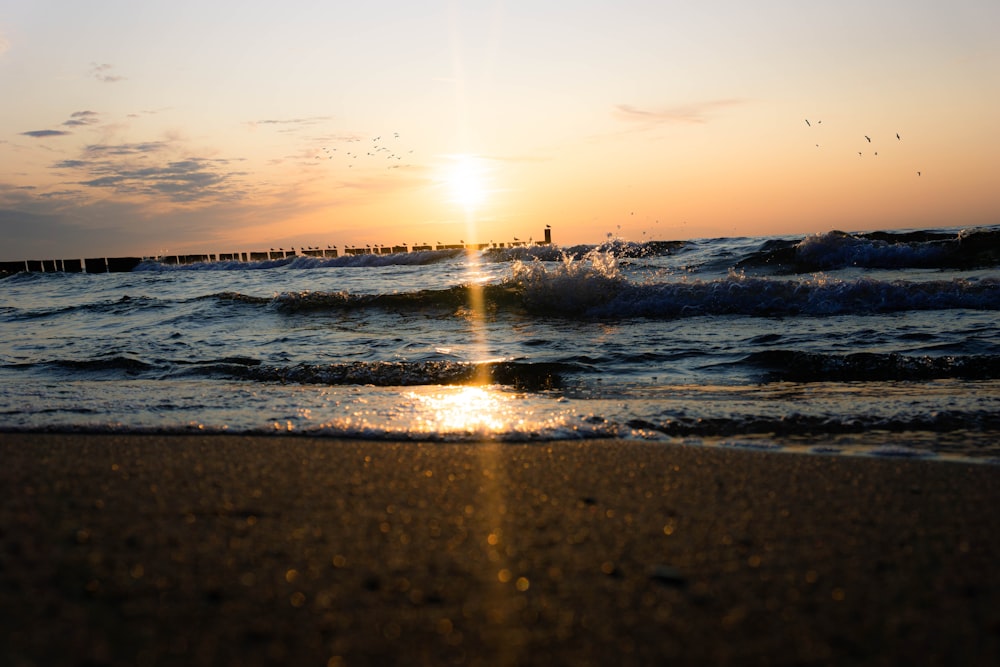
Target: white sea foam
x=571, y=285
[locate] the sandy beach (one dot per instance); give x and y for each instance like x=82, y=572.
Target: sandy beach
x=231, y=550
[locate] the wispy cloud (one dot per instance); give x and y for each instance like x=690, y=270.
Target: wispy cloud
x=311, y=120
x=102, y=72
x=41, y=134
x=103, y=150
x=182, y=180
x=152, y=169
x=70, y=164
x=696, y=113
x=289, y=125
x=78, y=118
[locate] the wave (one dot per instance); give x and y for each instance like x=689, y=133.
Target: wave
x=798, y=425
x=113, y=307
x=462, y=296
x=965, y=249
x=818, y=296
x=616, y=247
x=571, y=287
x=799, y=366
x=597, y=288
x=765, y=366
x=546, y=253
x=107, y=366
x=522, y=375
x=594, y=290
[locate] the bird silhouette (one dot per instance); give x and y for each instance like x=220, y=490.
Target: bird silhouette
x=808, y=123
x=897, y=135
x=868, y=138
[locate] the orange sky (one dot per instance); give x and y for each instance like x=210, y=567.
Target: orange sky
x=145, y=128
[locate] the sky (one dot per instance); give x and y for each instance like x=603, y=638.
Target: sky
x=157, y=127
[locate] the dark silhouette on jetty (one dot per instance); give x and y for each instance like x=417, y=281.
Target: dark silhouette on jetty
x=126, y=264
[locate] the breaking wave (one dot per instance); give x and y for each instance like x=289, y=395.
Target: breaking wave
x=965, y=249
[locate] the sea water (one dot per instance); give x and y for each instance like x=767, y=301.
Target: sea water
x=881, y=343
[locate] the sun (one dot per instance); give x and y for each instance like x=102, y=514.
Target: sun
x=466, y=179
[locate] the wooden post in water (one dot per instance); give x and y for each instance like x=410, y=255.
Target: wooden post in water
x=96, y=265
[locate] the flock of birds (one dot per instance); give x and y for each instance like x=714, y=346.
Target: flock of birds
x=377, y=149
x=867, y=138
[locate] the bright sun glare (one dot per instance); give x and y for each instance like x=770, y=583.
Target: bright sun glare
x=468, y=410
x=466, y=181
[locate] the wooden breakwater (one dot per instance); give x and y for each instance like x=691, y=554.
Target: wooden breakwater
x=126, y=264
x=89, y=265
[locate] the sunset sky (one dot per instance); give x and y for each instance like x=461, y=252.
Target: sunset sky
x=133, y=128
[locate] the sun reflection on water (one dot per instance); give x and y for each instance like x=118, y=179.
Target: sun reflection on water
x=472, y=410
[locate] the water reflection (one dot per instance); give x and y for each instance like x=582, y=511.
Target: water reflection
x=471, y=410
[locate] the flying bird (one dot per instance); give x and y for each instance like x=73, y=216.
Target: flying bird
x=897, y=135
x=868, y=138
x=808, y=123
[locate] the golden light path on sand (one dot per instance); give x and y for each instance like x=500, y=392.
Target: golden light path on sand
x=483, y=411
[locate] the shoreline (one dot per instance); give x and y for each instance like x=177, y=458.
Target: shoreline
x=231, y=549
x=873, y=445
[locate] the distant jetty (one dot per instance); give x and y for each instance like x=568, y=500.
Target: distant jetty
x=126, y=264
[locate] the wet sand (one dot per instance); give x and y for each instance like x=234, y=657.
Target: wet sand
x=230, y=550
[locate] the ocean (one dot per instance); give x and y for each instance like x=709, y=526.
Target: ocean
x=877, y=344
